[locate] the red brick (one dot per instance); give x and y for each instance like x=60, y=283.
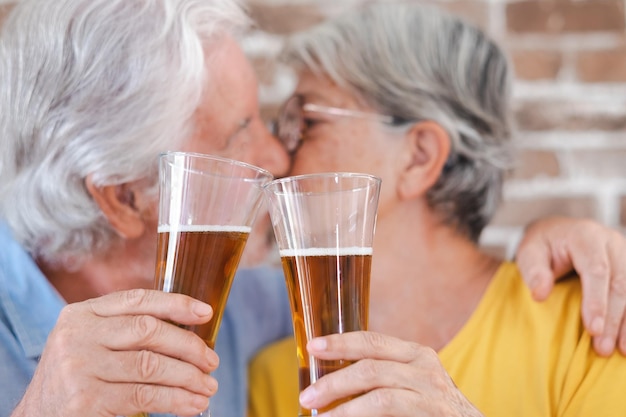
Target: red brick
x=565, y=16
x=474, y=11
x=598, y=164
x=520, y=212
x=531, y=164
x=535, y=65
x=567, y=115
x=602, y=66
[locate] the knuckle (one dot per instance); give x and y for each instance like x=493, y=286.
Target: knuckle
x=135, y=297
x=143, y=396
x=149, y=365
x=429, y=353
x=599, y=269
x=439, y=381
x=146, y=328
x=618, y=285
x=366, y=369
x=374, y=339
x=67, y=314
x=77, y=404
x=417, y=351
x=382, y=399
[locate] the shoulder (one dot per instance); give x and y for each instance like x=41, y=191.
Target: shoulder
x=566, y=294
x=274, y=353
x=509, y=315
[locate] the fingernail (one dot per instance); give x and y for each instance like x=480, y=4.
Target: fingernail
x=317, y=344
x=201, y=309
x=607, y=345
x=200, y=402
x=597, y=325
x=307, y=396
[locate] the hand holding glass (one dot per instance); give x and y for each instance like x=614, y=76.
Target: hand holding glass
x=324, y=225
x=206, y=209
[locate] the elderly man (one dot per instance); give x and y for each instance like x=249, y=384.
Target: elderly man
x=92, y=91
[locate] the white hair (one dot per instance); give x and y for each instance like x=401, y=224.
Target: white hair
x=418, y=63
x=100, y=88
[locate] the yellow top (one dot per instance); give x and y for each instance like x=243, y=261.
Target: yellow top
x=513, y=357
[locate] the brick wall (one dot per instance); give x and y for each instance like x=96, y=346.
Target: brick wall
x=570, y=99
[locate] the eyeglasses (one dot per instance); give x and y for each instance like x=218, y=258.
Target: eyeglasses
x=291, y=119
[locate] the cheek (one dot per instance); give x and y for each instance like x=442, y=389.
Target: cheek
x=200, y=144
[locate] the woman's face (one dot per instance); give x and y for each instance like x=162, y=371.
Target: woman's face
x=340, y=143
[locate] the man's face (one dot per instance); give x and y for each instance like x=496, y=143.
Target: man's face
x=228, y=122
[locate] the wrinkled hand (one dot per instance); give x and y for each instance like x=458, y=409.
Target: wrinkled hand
x=114, y=355
x=553, y=247
x=396, y=378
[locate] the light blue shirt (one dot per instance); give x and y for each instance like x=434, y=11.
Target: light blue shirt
x=29, y=307
x=257, y=313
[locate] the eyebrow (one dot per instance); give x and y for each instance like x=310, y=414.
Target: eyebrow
x=242, y=124
x=311, y=96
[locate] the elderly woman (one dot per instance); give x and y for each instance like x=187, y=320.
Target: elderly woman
x=421, y=99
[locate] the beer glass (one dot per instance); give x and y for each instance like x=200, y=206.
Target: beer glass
x=206, y=209
x=324, y=225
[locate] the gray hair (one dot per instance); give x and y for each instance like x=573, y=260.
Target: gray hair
x=95, y=87
x=418, y=63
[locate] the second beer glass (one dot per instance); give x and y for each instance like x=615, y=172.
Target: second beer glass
x=324, y=225
x=206, y=209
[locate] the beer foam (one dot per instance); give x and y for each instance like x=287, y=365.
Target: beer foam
x=202, y=228
x=354, y=250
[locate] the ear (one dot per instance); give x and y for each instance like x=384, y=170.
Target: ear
x=428, y=149
x=117, y=203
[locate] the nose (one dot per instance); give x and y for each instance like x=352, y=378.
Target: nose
x=271, y=154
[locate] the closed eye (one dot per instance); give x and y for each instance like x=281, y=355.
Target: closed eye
x=243, y=125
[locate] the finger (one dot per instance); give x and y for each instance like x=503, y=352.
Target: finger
x=129, y=399
x=534, y=262
x=384, y=402
x=168, y=306
x=606, y=342
x=367, y=375
x=143, y=332
x=361, y=345
x=591, y=262
x=147, y=367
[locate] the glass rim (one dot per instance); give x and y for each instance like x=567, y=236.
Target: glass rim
x=305, y=177
x=263, y=172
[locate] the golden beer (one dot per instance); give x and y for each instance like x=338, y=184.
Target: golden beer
x=329, y=293
x=200, y=261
